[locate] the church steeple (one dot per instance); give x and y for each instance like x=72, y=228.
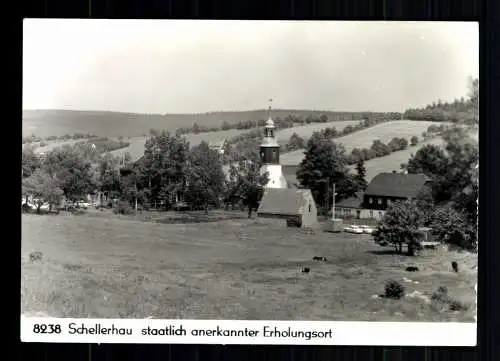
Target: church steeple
x=270, y=155
x=269, y=148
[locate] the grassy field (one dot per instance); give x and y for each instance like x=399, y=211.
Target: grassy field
x=394, y=160
x=136, y=147
x=364, y=138
x=104, y=267
x=115, y=124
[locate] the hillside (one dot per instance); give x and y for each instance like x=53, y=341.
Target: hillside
x=136, y=148
x=393, y=161
x=45, y=123
x=364, y=138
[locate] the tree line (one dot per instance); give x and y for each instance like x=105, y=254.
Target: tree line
x=462, y=111
x=35, y=139
x=291, y=120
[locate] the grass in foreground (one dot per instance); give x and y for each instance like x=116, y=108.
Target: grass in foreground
x=106, y=267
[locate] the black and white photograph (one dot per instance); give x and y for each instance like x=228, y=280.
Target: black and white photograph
x=250, y=170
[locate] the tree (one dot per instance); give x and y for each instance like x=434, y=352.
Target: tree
x=324, y=163
x=380, y=148
x=400, y=224
x=163, y=168
x=109, y=175
x=450, y=226
x=295, y=142
x=72, y=171
x=225, y=125
x=30, y=161
x=361, y=175
x=43, y=188
x=429, y=160
x=205, y=181
x=414, y=140
x=252, y=184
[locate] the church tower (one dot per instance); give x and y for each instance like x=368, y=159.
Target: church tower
x=270, y=156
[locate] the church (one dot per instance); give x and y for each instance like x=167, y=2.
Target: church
x=282, y=200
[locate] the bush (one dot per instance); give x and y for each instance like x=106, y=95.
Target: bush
x=36, y=256
x=394, y=290
x=123, y=207
x=441, y=298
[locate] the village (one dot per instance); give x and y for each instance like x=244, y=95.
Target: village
x=267, y=214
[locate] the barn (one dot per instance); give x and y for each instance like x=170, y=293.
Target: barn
x=296, y=206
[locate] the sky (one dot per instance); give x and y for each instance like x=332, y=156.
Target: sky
x=187, y=66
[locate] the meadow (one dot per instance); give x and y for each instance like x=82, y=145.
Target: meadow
x=364, y=138
x=103, y=266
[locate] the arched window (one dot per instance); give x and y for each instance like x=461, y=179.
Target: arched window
x=310, y=208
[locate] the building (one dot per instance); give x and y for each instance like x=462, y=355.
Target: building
x=270, y=156
x=296, y=206
x=381, y=191
x=219, y=146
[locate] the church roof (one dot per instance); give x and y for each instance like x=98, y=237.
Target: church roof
x=284, y=201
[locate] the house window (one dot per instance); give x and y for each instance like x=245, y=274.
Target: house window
x=310, y=208
x=380, y=214
x=388, y=202
x=380, y=201
x=371, y=214
x=348, y=211
x=370, y=200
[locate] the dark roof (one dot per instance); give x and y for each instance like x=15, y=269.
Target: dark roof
x=290, y=174
x=398, y=185
x=285, y=201
x=352, y=202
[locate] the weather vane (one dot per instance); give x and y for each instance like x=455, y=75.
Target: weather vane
x=269, y=111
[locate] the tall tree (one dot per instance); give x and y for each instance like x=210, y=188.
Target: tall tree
x=205, y=177
x=324, y=163
x=361, y=175
x=295, y=142
x=163, y=168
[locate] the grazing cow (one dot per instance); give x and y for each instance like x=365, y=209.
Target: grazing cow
x=454, y=265
x=306, y=270
x=320, y=259
x=412, y=269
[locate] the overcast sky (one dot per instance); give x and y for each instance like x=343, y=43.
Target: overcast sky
x=198, y=66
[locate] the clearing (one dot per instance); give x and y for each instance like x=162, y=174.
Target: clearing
x=97, y=265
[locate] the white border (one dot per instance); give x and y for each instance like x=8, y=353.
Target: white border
x=343, y=333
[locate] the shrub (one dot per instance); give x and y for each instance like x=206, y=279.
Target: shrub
x=441, y=298
x=123, y=207
x=394, y=290
x=36, y=256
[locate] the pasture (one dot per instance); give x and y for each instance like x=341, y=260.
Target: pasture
x=364, y=138
x=98, y=265
x=136, y=147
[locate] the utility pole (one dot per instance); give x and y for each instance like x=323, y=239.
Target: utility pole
x=333, y=202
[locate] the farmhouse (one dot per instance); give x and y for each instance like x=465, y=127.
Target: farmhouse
x=381, y=191
x=296, y=206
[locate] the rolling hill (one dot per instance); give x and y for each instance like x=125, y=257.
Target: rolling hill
x=136, y=148
x=364, y=138
x=45, y=123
